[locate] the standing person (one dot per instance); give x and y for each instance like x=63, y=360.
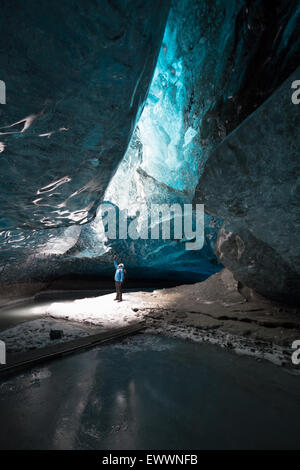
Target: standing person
x=119, y=279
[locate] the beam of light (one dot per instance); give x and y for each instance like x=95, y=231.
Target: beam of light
x=102, y=311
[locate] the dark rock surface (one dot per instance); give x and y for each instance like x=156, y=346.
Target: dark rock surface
x=252, y=182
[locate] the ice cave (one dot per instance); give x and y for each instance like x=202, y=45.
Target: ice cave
x=110, y=109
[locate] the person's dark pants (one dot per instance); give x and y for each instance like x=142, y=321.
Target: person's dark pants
x=118, y=290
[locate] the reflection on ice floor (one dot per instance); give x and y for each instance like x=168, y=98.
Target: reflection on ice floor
x=151, y=392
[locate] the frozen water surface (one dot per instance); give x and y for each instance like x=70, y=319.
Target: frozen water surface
x=151, y=392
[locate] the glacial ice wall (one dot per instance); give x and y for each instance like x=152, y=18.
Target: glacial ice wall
x=216, y=66
x=159, y=167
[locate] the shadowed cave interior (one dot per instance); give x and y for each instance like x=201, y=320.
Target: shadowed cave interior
x=119, y=105
x=127, y=104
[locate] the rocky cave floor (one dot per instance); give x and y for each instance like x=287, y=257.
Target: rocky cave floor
x=215, y=311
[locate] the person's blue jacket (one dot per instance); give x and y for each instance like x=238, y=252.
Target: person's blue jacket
x=119, y=275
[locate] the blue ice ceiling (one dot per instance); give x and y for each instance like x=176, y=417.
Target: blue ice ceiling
x=142, y=108
x=167, y=140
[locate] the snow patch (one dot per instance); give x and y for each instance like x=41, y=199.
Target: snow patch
x=102, y=311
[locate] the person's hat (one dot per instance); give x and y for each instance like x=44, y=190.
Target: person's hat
x=121, y=265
